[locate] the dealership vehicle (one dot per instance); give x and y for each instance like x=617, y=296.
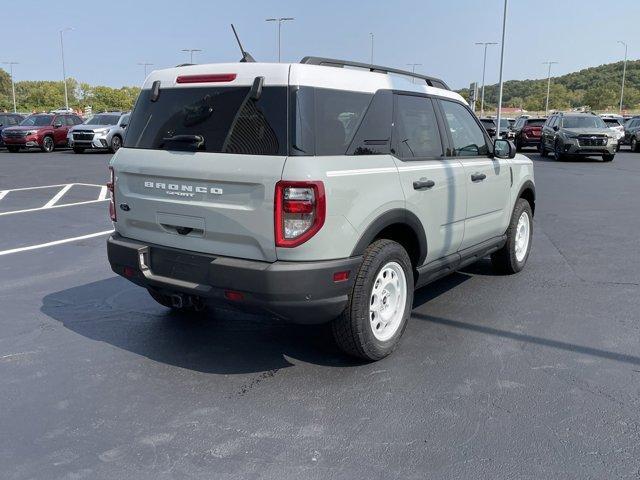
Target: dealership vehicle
x=489, y=125
x=567, y=134
x=616, y=125
x=527, y=132
x=311, y=192
x=8, y=120
x=505, y=127
x=632, y=133
x=45, y=131
x=101, y=131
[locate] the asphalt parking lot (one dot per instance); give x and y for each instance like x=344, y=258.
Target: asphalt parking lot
x=530, y=376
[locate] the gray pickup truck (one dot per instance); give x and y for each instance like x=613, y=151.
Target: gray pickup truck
x=313, y=193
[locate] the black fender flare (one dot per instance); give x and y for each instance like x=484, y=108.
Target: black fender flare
x=391, y=217
x=528, y=185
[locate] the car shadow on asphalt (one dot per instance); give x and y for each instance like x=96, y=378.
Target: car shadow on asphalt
x=218, y=341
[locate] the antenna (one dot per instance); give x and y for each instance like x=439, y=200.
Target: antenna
x=246, y=56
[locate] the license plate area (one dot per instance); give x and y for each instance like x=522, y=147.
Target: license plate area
x=179, y=265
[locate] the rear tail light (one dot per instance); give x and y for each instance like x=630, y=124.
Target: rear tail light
x=112, y=195
x=300, y=209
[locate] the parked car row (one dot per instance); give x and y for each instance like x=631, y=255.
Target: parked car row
x=47, y=131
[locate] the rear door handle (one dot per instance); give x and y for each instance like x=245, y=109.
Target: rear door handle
x=478, y=177
x=423, y=184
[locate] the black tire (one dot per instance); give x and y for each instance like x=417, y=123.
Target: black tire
x=608, y=157
x=634, y=144
x=557, y=151
x=48, y=144
x=78, y=149
x=353, y=329
x=165, y=301
x=542, y=149
x=504, y=260
x=13, y=149
x=116, y=143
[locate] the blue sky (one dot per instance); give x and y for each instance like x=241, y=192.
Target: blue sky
x=112, y=36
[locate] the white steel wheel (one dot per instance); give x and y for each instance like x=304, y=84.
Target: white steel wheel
x=522, y=236
x=387, y=301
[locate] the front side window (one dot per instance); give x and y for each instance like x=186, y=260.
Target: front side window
x=211, y=119
x=416, y=129
x=467, y=136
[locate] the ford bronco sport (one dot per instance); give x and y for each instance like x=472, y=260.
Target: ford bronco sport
x=312, y=192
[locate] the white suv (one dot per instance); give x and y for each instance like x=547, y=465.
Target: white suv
x=319, y=191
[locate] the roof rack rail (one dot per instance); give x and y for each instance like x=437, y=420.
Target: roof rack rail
x=332, y=62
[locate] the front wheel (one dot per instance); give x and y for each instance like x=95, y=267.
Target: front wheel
x=608, y=157
x=47, y=144
x=379, y=304
x=634, y=144
x=78, y=149
x=557, y=151
x=542, y=149
x=513, y=256
x=116, y=143
x=13, y=149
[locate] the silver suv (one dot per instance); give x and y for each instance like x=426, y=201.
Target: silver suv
x=100, y=131
x=311, y=192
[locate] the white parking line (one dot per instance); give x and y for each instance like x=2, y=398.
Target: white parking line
x=49, y=186
x=2, y=214
x=3, y=193
x=58, y=196
x=103, y=193
x=57, y=242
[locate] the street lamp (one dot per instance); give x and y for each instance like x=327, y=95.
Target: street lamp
x=190, y=52
x=484, y=68
x=371, y=35
x=546, y=108
x=413, y=69
x=504, y=31
x=13, y=86
x=145, y=65
x=279, y=20
x=624, y=72
x=64, y=73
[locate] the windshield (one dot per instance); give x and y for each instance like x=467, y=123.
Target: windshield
x=37, y=121
x=211, y=119
x=504, y=123
x=587, y=121
x=102, y=120
x=488, y=123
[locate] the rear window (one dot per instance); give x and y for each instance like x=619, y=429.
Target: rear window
x=226, y=119
x=612, y=122
x=535, y=123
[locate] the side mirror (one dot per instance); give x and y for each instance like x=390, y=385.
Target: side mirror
x=503, y=148
x=57, y=125
x=556, y=128
x=124, y=125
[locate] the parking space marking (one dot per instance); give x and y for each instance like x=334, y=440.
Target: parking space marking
x=103, y=193
x=58, y=196
x=51, y=208
x=3, y=193
x=56, y=242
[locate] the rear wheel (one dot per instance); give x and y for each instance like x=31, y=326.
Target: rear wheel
x=513, y=256
x=116, y=143
x=379, y=305
x=13, y=149
x=47, y=144
x=78, y=149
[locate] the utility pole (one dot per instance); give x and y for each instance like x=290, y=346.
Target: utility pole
x=413, y=69
x=371, y=35
x=190, y=52
x=624, y=72
x=279, y=20
x=145, y=65
x=64, y=73
x=504, y=31
x=13, y=85
x=546, y=108
x=484, y=68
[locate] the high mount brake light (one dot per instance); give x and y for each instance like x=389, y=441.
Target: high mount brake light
x=299, y=213
x=207, y=78
x=111, y=186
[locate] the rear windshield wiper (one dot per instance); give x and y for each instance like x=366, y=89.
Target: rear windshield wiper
x=193, y=141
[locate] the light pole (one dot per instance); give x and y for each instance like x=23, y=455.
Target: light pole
x=484, y=68
x=624, y=72
x=504, y=31
x=145, y=65
x=279, y=20
x=413, y=69
x=546, y=108
x=64, y=73
x=13, y=85
x=371, y=35
x=190, y=52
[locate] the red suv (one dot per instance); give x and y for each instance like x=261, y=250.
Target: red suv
x=45, y=131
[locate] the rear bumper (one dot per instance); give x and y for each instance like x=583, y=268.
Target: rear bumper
x=300, y=292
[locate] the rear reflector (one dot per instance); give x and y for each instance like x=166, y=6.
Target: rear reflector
x=341, y=276
x=211, y=78
x=129, y=272
x=233, y=295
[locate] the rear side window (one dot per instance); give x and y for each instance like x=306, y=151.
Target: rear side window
x=324, y=121
x=374, y=134
x=416, y=128
x=467, y=136
x=226, y=119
